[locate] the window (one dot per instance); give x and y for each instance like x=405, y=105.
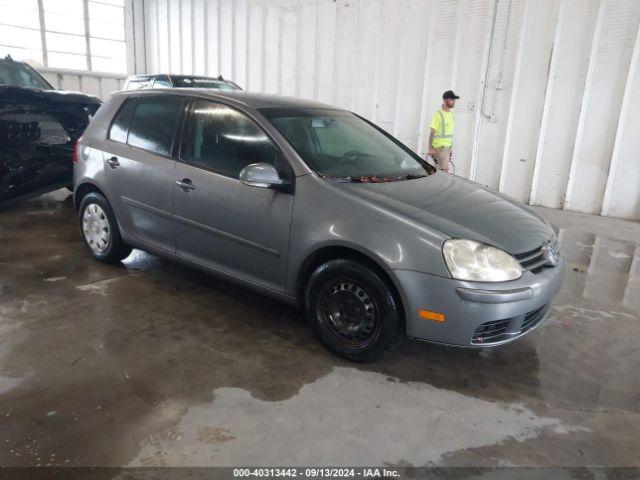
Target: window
x=78, y=34
x=120, y=126
x=225, y=141
x=21, y=75
x=137, y=83
x=162, y=82
x=154, y=123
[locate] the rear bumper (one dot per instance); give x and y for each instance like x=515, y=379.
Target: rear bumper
x=477, y=314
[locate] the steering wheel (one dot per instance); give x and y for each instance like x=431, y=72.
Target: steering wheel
x=348, y=157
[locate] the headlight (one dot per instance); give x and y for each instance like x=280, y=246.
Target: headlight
x=473, y=261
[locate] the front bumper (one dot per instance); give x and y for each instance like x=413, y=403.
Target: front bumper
x=477, y=314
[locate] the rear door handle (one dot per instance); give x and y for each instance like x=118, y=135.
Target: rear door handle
x=113, y=162
x=186, y=185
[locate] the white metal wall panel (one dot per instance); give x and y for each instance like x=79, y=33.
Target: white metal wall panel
x=345, y=52
x=622, y=195
x=163, y=35
x=497, y=98
x=469, y=69
x=325, y=45
x=240, y=43
x=559, y=111
x=575, y=33
x=225, y=50
x=175, y=36
x=272, y=48
x=306, y=49
x=588, y=175
x=187, y=28
x=288, y=47
x=255, y=41
x=198, y=50
x=409, y=82
x=392, y=18
x=528, y=109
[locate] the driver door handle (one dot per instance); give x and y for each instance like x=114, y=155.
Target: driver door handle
x=113, y=162
x=186, y=185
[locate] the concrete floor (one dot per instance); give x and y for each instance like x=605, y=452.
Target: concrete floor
x=149, y=363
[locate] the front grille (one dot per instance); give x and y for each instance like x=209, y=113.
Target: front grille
x=490, y=332
x=498, y=330
x=531, y=319
x=533, y=260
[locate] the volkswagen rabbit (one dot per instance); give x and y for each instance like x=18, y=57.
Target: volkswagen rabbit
x=317, y=207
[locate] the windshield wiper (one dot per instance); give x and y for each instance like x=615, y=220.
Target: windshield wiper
x=372, y=178
x=411, y=176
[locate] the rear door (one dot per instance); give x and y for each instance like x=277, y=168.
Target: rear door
x=219, y=222
x=139, y=165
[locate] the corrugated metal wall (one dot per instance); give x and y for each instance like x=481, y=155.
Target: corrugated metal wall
x=98, y=84
x=550, y=107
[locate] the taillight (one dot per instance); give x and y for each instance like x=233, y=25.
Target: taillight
x=76, y=149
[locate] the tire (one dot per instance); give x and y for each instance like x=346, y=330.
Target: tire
x=100, y=229
x=353, y=311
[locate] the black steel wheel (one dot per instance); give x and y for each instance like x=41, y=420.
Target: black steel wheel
x=353, y=310
x=348, y=313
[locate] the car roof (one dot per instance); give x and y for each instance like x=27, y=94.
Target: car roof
x=252, y=100
x=147, y=76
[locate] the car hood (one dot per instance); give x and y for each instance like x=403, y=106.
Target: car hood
x=20, y=95
x=460, y=209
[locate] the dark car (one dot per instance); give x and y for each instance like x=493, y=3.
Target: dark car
x=162, y=80
x=39, y=127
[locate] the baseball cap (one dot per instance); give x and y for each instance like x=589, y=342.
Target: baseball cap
x=450, y=94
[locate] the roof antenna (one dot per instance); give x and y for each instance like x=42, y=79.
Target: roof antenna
x=220, y=78
x=8, y=58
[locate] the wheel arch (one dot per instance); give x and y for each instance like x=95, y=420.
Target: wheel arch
x=82, y=191
x=335, y=252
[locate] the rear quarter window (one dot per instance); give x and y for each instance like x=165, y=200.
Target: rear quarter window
x=120, y=126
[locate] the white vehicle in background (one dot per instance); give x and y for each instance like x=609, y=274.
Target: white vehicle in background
x=163, y=80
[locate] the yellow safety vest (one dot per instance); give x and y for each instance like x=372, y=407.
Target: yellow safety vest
x=443, y=123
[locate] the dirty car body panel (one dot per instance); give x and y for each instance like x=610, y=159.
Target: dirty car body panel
x=38, y=130
x=400, y=226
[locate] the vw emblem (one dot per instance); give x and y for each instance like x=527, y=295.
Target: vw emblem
x=551, y=254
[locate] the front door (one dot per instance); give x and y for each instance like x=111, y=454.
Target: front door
x=218, y=221
x=140, y=166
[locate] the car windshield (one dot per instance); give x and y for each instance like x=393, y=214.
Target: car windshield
x=194, y=82
x=341, y=146
x=20, y=75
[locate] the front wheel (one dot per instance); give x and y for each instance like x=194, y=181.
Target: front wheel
x=353, y=311
x=100, y=231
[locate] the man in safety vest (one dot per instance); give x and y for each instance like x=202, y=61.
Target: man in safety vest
x=442, y=126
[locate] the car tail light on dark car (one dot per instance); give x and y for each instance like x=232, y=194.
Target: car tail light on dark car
x=76, y=151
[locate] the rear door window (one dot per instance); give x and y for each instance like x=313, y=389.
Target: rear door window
x=154, y=123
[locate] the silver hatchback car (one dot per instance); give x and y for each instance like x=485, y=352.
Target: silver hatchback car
x=318, y=207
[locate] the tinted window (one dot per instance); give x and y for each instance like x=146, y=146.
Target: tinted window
x=203, y=82
x=161, y=82
x=225, y=141
x=120, y=125
x=154, y=123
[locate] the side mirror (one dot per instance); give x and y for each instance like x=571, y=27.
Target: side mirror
x=262, y=175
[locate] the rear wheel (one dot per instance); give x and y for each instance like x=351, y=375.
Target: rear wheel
x=100, y=230
x=353, y=311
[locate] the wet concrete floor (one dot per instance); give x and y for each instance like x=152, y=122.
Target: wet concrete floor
x=151, y=363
